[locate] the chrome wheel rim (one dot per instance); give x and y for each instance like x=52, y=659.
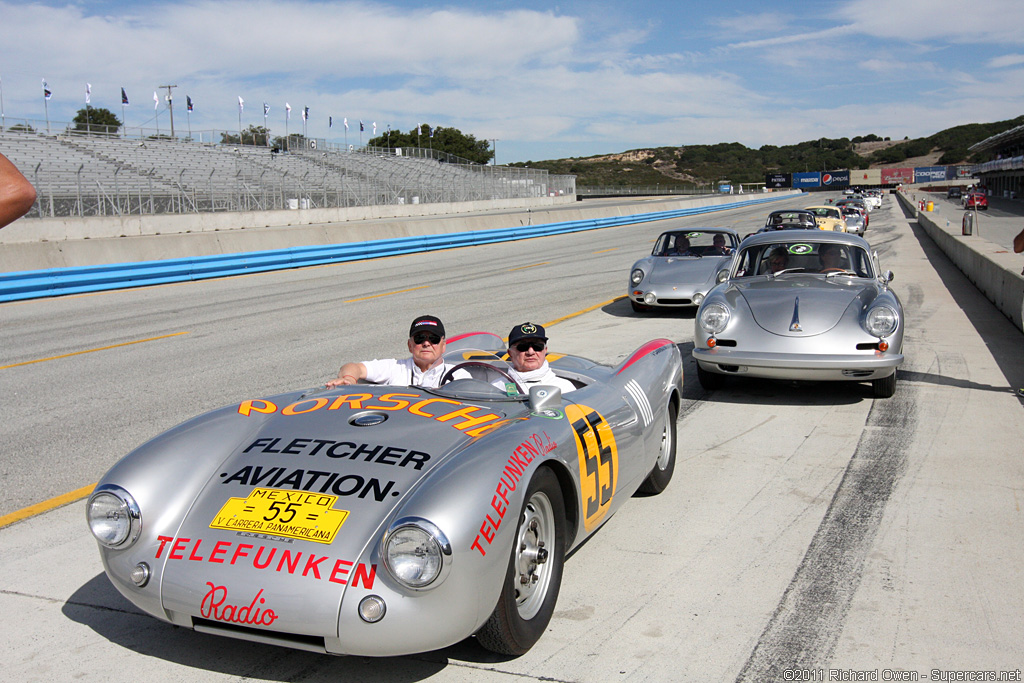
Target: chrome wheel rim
x=535, y=540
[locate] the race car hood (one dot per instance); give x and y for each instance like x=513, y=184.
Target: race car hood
x=809, y=306
x=672, y=270
x=292, y=508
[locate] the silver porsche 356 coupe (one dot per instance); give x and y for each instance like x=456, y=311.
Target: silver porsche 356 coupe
x=803, y=305
x=682, y=267
x=385, y=520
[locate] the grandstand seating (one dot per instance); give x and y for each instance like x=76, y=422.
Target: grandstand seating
x=80, y=175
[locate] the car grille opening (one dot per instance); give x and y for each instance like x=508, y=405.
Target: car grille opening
x=725, y=342
x=868, y=346
x=293, y=640
x=857, y=373
x=675, y=302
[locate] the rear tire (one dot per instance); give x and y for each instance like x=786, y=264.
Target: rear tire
x=709, y=380
x=534, y=572
x=661, y=475
x=884, y=387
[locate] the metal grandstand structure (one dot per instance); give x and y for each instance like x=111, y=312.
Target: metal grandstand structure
x=92, y=174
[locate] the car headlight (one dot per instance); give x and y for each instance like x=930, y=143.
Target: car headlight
x=416, y=553
x=114, y=516
x=881, y=321
x=714, y=317
x=637, y=276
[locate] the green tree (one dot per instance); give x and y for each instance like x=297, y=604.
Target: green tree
x=253, y=135
x=449, y=140
x=98, y=121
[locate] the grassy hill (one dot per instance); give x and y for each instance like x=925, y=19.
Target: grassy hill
x=699, y=165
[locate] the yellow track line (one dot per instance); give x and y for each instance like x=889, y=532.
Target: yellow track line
x=377, y=296
x=533, y=266
x=602, y=251
x=585, y=310
x=102, y=348
x=46, y=505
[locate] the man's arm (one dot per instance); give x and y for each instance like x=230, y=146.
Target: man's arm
x=16, y=193
x=350, y=373
x=1018, y=242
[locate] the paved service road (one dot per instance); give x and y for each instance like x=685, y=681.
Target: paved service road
x=808, y=527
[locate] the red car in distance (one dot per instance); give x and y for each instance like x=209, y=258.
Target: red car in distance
x=975, y=200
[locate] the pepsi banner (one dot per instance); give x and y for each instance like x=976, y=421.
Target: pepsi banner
x=778, y=180
x=836, y=178
x=807, y=179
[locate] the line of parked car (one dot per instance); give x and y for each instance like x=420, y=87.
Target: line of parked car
x=802, y=298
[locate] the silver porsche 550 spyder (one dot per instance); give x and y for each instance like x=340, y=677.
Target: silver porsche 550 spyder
x=803, y=305
x=682, y=267
x=384, y=520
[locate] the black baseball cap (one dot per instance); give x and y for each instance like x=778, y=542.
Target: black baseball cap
x=526, y=331
x=427, y=323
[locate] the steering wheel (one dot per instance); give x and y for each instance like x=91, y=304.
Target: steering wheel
x=450, y=375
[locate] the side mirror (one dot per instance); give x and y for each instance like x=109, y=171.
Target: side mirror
x=544, y=397
x=887, y=277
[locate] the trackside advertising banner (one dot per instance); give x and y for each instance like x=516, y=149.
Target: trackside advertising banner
x=896, y=176
x=806, y=179
x=928, y=174
x=778, y=180
x=835, y=178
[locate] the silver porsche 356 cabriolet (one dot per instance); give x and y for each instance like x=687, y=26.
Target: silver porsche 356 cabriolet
x=682, y=267
x=384, y=520
x=803, y=305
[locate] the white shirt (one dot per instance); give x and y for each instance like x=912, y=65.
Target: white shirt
x=542, y=375
x=404, y=372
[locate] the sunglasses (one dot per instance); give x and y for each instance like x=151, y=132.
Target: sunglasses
x=421, y=337
x=523, y=347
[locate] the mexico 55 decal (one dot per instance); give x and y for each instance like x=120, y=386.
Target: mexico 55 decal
x=598, y=459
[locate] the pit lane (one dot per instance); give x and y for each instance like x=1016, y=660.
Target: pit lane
x=807, y=525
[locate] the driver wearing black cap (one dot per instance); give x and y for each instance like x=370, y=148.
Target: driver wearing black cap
x=423, y=369
x=528, y=350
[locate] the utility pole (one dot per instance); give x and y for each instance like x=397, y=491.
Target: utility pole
x=494, y=146
x=170, y=106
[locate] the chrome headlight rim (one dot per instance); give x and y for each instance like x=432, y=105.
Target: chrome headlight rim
x=636, y=276
x=126, y=506
x=881, y=321
x=438, y=542
x=714, y=317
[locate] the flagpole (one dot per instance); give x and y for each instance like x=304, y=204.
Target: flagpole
x=3, y=118
x=46, y=107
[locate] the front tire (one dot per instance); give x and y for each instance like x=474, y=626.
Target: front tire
x=884, y=387
x=534, y=573
x=661, y=475
x=638, y=308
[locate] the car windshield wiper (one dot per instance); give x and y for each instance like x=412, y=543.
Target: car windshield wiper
x=840, y=272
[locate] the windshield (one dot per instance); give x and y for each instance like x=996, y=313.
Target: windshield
x=695, y=243
x=788, y=256
x=477, y=375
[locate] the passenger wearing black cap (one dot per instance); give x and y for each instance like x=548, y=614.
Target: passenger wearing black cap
x=528, y=350
x=423, y=369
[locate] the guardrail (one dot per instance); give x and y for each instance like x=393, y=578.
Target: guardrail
x=34, y=284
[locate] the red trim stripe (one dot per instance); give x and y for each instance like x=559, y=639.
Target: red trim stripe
x=643, y=351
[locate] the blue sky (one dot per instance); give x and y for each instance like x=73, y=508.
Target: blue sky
x=545, y=80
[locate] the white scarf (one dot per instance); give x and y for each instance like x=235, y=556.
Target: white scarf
x=532, y=376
